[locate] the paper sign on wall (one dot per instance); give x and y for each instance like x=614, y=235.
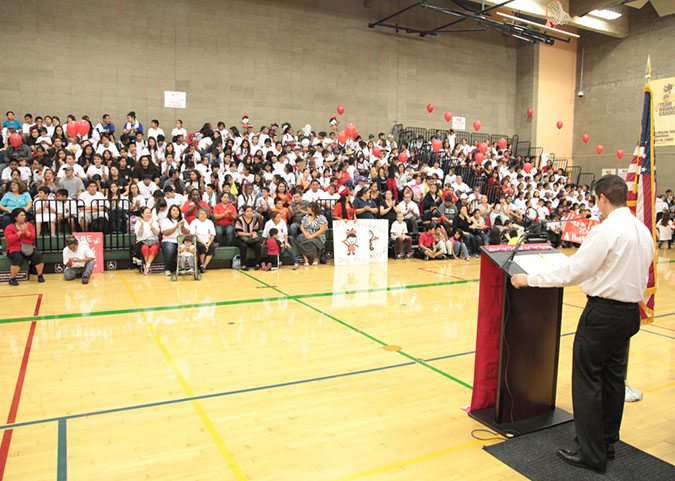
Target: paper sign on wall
x=459, y=123
x=664, y=111
x=608, y=171
x=623, y=173
x=175, y=100
x=95, y=242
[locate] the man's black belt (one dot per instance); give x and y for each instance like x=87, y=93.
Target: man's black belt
x=611, y=302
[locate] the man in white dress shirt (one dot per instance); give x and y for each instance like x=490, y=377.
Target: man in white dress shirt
x=612, y=268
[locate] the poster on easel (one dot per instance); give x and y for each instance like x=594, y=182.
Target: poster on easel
x=95, y=242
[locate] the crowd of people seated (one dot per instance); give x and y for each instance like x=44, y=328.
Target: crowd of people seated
x=225, y=185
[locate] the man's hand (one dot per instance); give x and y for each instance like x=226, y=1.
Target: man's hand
x=519, y=280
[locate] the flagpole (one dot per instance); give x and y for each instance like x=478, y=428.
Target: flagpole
x=632, y=394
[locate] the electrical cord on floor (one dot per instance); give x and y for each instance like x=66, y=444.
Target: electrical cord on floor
x=495, y=436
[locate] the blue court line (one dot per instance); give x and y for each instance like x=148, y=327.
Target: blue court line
x=221, y=394
x=664, y=315
x=657, y=333
x=62, y=462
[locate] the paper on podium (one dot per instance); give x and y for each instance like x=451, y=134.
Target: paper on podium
x=536, y=264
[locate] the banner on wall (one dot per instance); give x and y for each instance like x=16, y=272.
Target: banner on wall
x=577, y=230
x=664, y=111
x=459, y=123
x=360, y=242
x=95, y=242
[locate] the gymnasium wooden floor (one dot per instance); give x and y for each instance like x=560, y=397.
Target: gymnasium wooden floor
x=275, y=376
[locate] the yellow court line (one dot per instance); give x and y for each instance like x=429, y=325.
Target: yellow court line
x=227, y=455
x=451, y=298
x=631, y=352
x=659, y=388
x=408, y=462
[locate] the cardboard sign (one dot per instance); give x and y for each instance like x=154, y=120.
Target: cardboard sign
x=608, y=171
x=350, y=243
x=623, y=173
x=175, y=100
x=459, y=123
x=378, y=238
x=577, y=230
x=95, y=242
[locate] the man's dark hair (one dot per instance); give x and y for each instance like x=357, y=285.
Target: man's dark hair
x=155, y=121
x=614, y=188
x=62, y=192
x=91, y=182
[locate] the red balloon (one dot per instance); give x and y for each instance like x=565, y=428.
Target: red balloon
x=476, y=125
x=342, y=137
x=586, y=138
x=341, y=109
x=448, y=116
x=82, y=127
x=480, y=157
x=619, y=154
x=15, y=140
x=402, y=156
x=376, y=151
x=430, y=108
x=530, y=112
x=527, y=167
x=436, y=145
x=356, y=132
x=482, y=147
x=502, y=143
x=559, y=125
x=349, y=130
x=71, y=127
x=599, y=149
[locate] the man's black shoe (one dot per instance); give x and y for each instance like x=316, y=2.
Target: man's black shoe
x=611, y=452
x=574, y=458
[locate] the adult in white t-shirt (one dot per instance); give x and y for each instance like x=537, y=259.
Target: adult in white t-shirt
x=203, y=228
x=171, y=227
x=78, y=260
x=93, y=207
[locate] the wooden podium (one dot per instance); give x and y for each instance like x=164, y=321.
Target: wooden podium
x=518, y=342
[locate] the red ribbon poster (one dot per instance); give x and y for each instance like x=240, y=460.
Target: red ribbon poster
x=95, y=242
x=577, y=230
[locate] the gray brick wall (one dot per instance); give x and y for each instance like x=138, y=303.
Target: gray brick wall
x=611, y=109
x=278, y=60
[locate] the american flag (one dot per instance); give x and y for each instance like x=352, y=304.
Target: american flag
x=642, y=194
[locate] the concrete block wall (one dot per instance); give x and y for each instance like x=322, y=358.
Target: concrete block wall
x=611, y=108
x=277, y=60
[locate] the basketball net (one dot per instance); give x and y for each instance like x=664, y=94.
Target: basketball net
x=555, y=15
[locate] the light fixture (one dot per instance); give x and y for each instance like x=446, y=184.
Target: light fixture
x=606, y=14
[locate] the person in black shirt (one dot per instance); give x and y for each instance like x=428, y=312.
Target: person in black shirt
x=364, y=205
x=388, y=208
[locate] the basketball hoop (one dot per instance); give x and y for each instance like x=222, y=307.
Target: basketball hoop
x=555, y=15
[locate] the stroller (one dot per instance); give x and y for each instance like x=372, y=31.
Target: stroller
x=186, y=258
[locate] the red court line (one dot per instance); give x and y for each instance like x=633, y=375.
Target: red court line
x=439, y=274
x=661, y=327
x=37, y=305
x=14, y=409
x=572, y=305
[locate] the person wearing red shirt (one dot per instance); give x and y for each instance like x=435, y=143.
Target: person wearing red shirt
x=224, y=215
x=427, y=244
x=20, y=235
x=192, y=206
x=344, y=209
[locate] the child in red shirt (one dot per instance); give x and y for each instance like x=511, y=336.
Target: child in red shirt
x=272, y=260
x=427, y=245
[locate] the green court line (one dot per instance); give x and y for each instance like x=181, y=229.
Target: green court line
x=402, y=353
x=225, y=303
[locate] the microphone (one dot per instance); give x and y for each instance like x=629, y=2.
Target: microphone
x=532, y=228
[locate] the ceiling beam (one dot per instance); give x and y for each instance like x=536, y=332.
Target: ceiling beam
x=579, y=8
